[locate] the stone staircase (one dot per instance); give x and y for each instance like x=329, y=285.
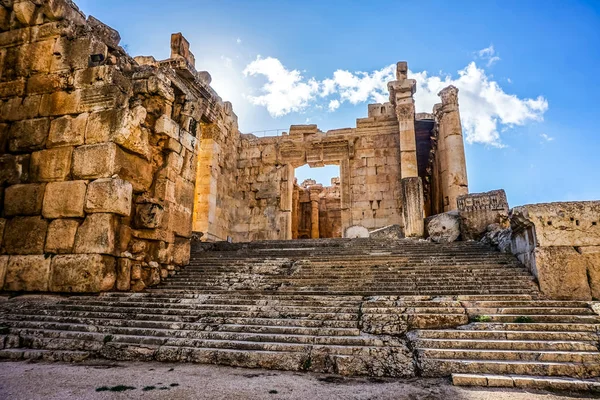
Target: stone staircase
x=351, y=307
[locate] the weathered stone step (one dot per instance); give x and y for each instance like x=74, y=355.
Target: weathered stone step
x=363, y=292
x=220, y=307
x=445, y=367
x=508, y=335
x=536, y=326
x=526, y=382
x=89, y=340
x=391, y=278
x=414, y=310
x=290, y=313
x=102, y=324
x=488, y=344
x=515, y=355
x=248, y=320
x=586, y=319
x=77, y=341
x=531, y=311
x=46, y=355
x=524, y=303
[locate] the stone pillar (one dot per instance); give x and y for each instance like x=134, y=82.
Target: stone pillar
x=412, y=207
x=452, y=149
x=401, y=97
x=314, y=214
x=295, y=211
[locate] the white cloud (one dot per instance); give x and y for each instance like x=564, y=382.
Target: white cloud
x=359, y=87
x=486, y=109
x=484, y=106
x=334, y=105
x=285, y=91
x=238, y=41
x=546, y=137
x=489, y=54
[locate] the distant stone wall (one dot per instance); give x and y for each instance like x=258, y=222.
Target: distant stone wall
x=560, y=244
x=98, y=153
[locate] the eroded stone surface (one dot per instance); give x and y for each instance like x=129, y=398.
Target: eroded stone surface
x=27, y=273
x=83, y=273
x=444, y=228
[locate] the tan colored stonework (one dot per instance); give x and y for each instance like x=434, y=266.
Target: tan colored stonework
x=560, y=244
x=105, y=154
x=98, y=153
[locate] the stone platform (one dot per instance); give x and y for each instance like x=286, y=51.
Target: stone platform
x=345, y=306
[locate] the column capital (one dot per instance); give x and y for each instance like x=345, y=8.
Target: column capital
x=449, y=95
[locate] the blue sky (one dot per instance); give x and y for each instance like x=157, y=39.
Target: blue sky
x=527, y=71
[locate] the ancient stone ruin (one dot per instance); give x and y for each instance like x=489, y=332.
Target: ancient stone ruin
x=111, y=164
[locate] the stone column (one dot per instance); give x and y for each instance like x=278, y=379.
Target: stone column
x=314, y=214
x=452, y=162
x=295, y=211
x=412, y=211
x=401, y=97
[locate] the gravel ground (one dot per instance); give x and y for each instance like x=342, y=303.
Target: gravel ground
x=101, y=380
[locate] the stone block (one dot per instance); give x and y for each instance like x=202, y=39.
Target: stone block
x=12, y=88
x=103, y=125
x=179, y=220
x=14, y=169
x=94, y=161
x=561, y=223
x=27, y=274
x=67, y=131
x=35, y=57
x=108, y=35
x=148, y=215
x=28, y=135
x=562, y=273
x=109, y=195
x=356, y=231
x=468, y=380
x=478, y=210
x=83, y=273
x=60, y=103
x=184, y=192
x=25, y=235
x=57, y=10
x=21, y=108
x=181, y=251
x=3, y=268
x=51, y=164
x=61, y=236
x=25, y=11
x=444, y=228
x=97, y=234
x=25, y=199
x=47, y=83
x=134, y=169
x=64, y=199
x=132, y=136
x=166, y=126
x=124, y=274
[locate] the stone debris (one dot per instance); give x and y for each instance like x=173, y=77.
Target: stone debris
x=444, y=227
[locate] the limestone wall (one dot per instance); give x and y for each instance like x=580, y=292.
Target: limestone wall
x=560, y=244
x=98, y=153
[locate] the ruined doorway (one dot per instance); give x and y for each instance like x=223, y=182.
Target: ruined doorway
x=317, y=202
